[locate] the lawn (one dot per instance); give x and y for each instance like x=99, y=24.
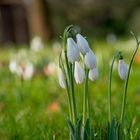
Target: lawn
x=37, y=109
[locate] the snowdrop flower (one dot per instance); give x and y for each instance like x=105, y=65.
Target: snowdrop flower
x=90, y=60
x=122, y=69
x=13, y=66
x=36, y=44
x=72, y=51
x=79, y=74
x=93, y=74
x=82, y=44
x=61, y=78
x=25, y=70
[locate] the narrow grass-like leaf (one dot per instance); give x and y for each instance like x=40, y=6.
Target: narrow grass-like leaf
x=112, y=130
x=87, y=130
x=78, y=129
x=71, y=128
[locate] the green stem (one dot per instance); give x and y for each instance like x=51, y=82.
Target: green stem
x=110, y=87
x=88, y=97
x=67, y=63
x=73, y=94
x=69, y=101
x=85, y=97
x=67, y=86
x=126, y=84
x=67, y=72
x=88, y=103
x=65, y=34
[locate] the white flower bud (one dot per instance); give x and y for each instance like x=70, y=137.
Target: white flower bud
x=90, y=60
x=61, y=78
x=72, y=51
x=93, y=74
x=79, y=74
x=122, y=69
x=82, y=44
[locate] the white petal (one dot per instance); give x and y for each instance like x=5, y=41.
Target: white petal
x=93, y=74
x=29, y=71
x=25, y=70
x=90, y=60
x=72, y=51
x=122, y=69
x=79, y=74
x=13, y=66
x=82, y=44
x=61, y=78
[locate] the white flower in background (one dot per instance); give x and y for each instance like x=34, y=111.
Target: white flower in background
x=21, y=66
x=36, y=44
x=82, y=44
x=13, y=66
x=90, y=60
x=122, y=69
x=93, y=74
x=79, y=74
x=61, y=78
x=72, y=51
x=25, y=70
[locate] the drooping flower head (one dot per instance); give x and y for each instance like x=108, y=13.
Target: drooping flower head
x=61, y=78
x=122, y=69
x=82, y=44
x=90, y=60
x=72, y=51
x=79, y=74
x=93, y=74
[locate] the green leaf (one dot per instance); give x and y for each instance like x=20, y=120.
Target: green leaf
x=87, y=130
x=112, y=130
x=117, y=131
x=78, y=129
x=71, y=128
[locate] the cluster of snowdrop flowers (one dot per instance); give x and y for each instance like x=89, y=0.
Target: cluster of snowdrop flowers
x=89, y=57
x=22, y=68
x=74, y=52
x=77, y=64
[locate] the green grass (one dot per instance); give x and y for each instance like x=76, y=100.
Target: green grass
x=24, y=106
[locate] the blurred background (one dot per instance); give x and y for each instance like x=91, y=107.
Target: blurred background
x=21, y=20
x=32, y=105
